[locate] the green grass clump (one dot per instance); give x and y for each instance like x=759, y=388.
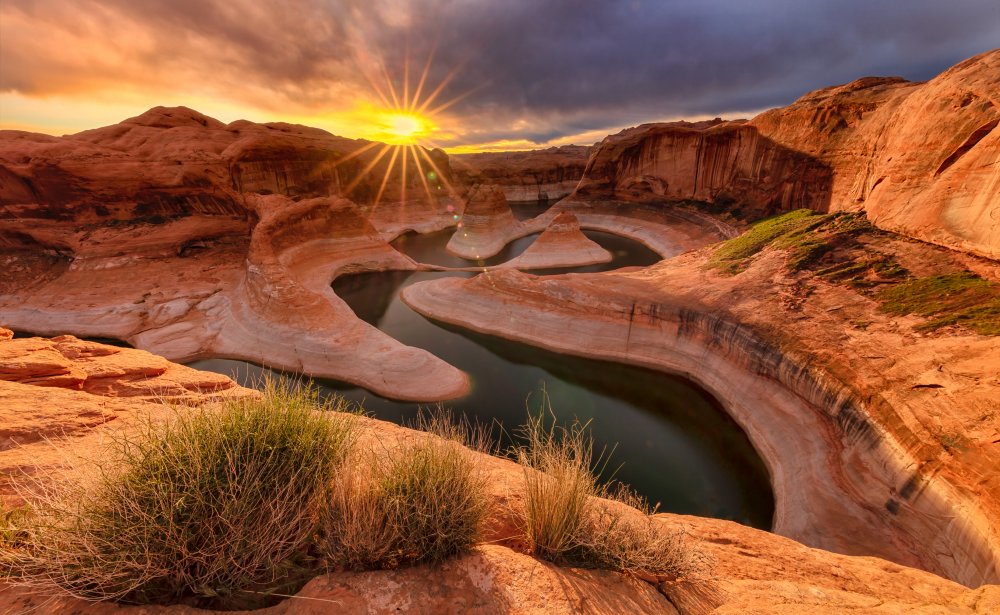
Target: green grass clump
x=422, y=501
x=952, y=299
x=732, y=256
x=569, y=517
x=865, y=272
x=215, y=503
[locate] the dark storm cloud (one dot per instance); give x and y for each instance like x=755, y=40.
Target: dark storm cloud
x=532, y=69
x=586, y=65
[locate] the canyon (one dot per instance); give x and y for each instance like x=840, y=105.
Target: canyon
x=103, y=389
x=193, y=239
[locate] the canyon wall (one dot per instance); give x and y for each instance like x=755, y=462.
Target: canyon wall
x=530, y=176
x=921, y=159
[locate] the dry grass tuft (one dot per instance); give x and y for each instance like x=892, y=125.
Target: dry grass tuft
x=422, y=501
x=570, y=518
x=215, y=502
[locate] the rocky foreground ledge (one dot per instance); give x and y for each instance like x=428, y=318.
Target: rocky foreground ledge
x=62, y=394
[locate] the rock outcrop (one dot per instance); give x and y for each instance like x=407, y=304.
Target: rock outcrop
x=920, y=159
x=67, y=389
x=486, y=226
x=561, y=244
x=879, y=440
x=544, y=175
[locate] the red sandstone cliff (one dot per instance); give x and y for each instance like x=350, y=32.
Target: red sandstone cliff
x=922, y=159
x=537, y=175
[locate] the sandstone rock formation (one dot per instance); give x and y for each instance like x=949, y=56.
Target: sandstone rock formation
x=562, y=244
x=713, y=160
x=191, y=238
x=486, y=226
x=919, y=158
x=67, y=389
x=849, y=419
x=745, y=570
x=529, y=176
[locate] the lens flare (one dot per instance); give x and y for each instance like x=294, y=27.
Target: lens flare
x=403, y=125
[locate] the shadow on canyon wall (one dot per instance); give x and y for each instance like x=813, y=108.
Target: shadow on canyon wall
x=729, y=166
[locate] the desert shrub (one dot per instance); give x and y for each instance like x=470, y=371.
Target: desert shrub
x=570, y=517
x=421, y=501
x=209, y=504
x=559, y=487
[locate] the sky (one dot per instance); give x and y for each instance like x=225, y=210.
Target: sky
x=466, y=75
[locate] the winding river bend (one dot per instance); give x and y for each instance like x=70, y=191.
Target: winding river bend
x=668, y=438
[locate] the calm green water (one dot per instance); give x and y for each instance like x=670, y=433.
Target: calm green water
x=671, y=441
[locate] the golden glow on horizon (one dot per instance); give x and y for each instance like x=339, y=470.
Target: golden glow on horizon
x=401, y=128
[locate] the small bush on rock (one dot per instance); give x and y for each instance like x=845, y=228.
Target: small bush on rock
x=421, y=501
x=570, y=518
x=215, y=502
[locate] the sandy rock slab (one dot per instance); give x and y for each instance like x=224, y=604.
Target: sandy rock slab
x=562, y=244
x=67, y=389
x=490, y=580
x=762, y=573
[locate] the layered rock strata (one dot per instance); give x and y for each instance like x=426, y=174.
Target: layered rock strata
x=486, y=225
x=920, y=159
x=66, y=391
x=742, y=569
x=529, y=176
x=562, y=244
x=268, y=302
x=848, y=420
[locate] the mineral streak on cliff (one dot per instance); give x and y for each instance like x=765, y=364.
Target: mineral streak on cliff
x=920, y=159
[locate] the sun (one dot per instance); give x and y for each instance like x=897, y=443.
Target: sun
x=399, y=130
x=402, y=128
x=406, y=126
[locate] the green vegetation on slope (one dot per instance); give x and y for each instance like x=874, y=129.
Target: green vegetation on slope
x=831, y=246
x=734, y=255
x=959, y=298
